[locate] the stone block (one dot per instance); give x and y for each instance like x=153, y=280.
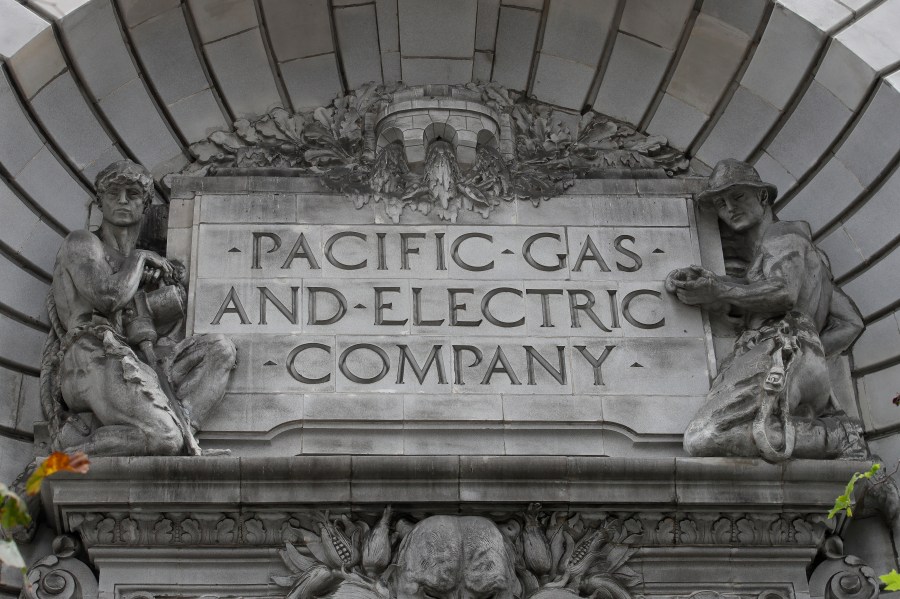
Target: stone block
x=740, y=129
x=19, y=343
x=486, y=24
x=675, y=243
x=437, y=408
x=27, y=235
x=577, y=30
x=68, y=119
x=483, y=65
x=373, y=407
x=107, y=157
x=744, y=16
x=437, y=28
x=871, y=146
x=824, y=197
x=10, y=390
x=386, y=440
x=870, y=540
x=298, y=29
x=37, y=62
x=217, y=258
x=174, y=480
x=708, y=63
x=654, y=20
x=240, y=208
x=810, y=130
x=633, y=74
x=479, y=439
x=870, y=37
x=378, y=479
x=391, y=71
x=809, y=484
x=216, y=19
x=642, y=413
x=622, y=481
x=322, y=209
x=872, y=226
x=95, y=44
x=516, y=37
x=243, y=72
x=168, y=56
x=198, y=115
x=562, y=82
x=532, y=4
x=388, y=26
x=297, y=479
x=19, y=26
x=20, y=142
x=772, y=171
x=878, y=286
x=845, y=75
x=259, y=412
x=878, y=343
x=312, y=81
x=678, y=122
x=56, y=191
x=827, y=16
x=421, y=71
x=261, y=365
x=876, y=393
x=23, y=291
x=30, y=411
x=520, y=409
x=785, y=53
x=139, y=125
x=357, y=35
x=735, y=481
x=843, y=253
x=887, y=450
x=135, y=12
x=529, y=439
x=511, y=479
x=15, y=454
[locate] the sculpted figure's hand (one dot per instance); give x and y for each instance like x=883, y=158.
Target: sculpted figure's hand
x=156, y=267
x=694, y=286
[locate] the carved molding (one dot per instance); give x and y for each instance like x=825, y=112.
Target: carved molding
x=61, y=575
x=437, y=148
x=148, y=528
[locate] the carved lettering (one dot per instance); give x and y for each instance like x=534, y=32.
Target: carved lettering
x=382, y=355
x=301, y=250
x=454, y=252
x=292, y=315
x=258, y=236
x=236, y=308
x=311, y=305
x=595, y=362
x=329, y=247
x=292, y=366
x=526, y=253
x=421, y=372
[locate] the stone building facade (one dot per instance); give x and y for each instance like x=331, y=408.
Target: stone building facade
x=806, y=92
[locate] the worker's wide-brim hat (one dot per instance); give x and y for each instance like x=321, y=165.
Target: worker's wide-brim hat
x=731, y=173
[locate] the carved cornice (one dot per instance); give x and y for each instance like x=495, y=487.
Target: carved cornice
x=438, y=148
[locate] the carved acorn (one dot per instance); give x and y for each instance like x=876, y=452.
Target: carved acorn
x=536, y=545
x=377, y=548
x=340, y=551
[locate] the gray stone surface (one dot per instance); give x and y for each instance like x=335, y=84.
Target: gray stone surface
x=37, y=62
x=577, y=30
x=878, y=343
x=486, y=24
x=20, y=141
x=68, y=120
x=217, y=19
x=740, y=129
x=634, y=72
x=388, y=26
x=745, y=16
x=516, y=36
x=786, y=50
x=823, y=197
x=54, y=189
x=20, y=345
x=418, y=71
x=708, y=62
x=437, y=28
x=652, y=20
x=876, y=287
x=562, y=82
x=872, y=226
x=168, y=56
x=26, y=234
x=247, y=83
x=96, y=45
x=773, y=171
x=845, y=75
x=135, y=12
x=357, y=34
x=842, y=251
x=876, y=392
x=809, y=130
x=298, y=29
x=25, y=295
x=678, y=122
x=313, y=81
x=198, y=115
x=870, y=146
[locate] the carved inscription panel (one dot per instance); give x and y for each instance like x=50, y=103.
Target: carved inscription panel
x=551, y=318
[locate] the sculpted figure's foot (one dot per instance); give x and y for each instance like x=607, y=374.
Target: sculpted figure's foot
x=215, y=452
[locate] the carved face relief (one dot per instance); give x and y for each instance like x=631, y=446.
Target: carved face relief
x=455, y=557
x=122, y=203
x=741, y=208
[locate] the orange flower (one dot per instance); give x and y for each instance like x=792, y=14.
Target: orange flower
x=53, y=463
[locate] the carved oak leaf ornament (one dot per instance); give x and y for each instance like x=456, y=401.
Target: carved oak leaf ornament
x=541, y=149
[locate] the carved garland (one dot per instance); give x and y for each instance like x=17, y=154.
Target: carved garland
x=540, y=152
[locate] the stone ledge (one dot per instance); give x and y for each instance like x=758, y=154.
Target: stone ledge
x=658, y=484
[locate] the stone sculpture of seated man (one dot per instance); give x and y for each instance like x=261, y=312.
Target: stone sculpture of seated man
x=772, y=397
x=107, y=301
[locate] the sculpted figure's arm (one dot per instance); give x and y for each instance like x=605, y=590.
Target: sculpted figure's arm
x=844, y=324
x=107, y=290
x=776, y=291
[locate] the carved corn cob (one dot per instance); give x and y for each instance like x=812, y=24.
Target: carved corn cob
x=536, y=545
x=586, y=553
x=341, y=551
x=377, y=548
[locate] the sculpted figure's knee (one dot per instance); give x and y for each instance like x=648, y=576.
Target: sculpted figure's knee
x=793, y=317
x=109, y=301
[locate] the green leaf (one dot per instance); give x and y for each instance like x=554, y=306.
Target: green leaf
x=892, y=580
x=9, y=554
x=13, y=512
x=844, y=502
